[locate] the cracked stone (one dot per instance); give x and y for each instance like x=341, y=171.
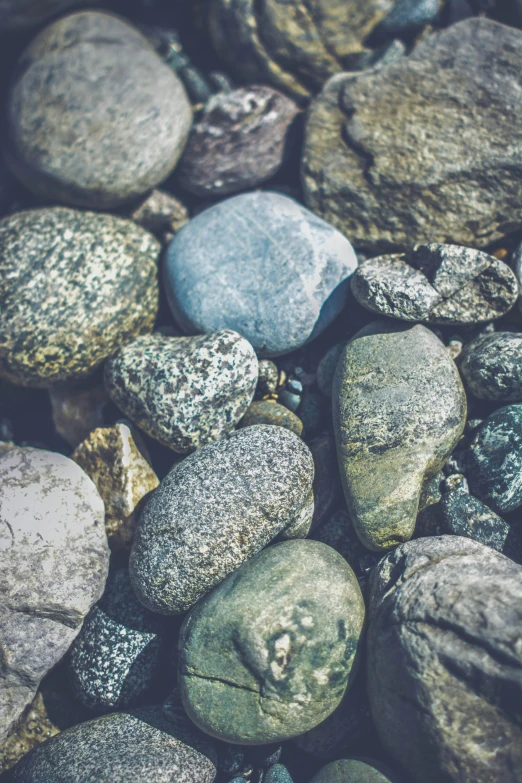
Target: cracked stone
x=217, y=508
x=445, y=660
x=285, y=632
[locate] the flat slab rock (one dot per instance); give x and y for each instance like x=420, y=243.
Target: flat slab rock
x=439, y=284
x=445, y=661
x=54, y=560
x=409, y=153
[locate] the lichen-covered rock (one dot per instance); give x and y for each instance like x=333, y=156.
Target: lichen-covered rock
x=184, y=391
x=238, y=141
x=263, y=265
x=73, y=287
x=491, y=366
x=122, y=476
x=355, y=771
x=445, y=661
x=101, y=141
x=270, y=412
x=399, y=409
x=397, y=156
x=120, y=650
x=217, y=508
x=53, y=564
x=285, y=631
x=440, y=284
x=494, y=460
x=133, y=746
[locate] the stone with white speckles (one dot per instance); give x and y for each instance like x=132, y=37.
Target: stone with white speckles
x=285, y=631
x=53, y=565
x=260, y=264
x=217, y=508
x=184, y=391
x=73, y=287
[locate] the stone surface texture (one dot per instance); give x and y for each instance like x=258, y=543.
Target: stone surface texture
x=270, y=412
x=355, y=771
x=491, y=366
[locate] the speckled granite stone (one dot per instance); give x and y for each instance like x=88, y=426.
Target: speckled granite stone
x=73, y=287
x=101, y=141
x=120, y=650
x=399, y=410
x=184, y=391
x=285, y=630
x=138, y=746
x=440, y=284
x=217, y=508
x=263, y=265
x=491, y=366
x=53, y=565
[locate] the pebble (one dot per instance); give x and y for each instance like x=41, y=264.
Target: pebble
x=328, y=491
x=264, y=246
x=54, y=560
x=20, y=15
x=277, y=774
x=120, y=651
x=355, y=771
x=268, y=378
x=217, y=508
x=122, y=476
x=237, y=143
x=184, y=391
x=399, y=410
x=444, y=660
x=494, y=460
x=285, y=630
x=74, y=286
x=491, y=367
x=380, y=149
x=101, y=141
x=270, y=412
x=122, y=747
x=78, y=408
x=440, y=284
x=162, y=215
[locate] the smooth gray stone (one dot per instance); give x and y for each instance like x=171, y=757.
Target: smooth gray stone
x=355, y=771
x=74, y=286
x=184, y=391
x=99, y=141
x=125, y=747
x=262, y=265
x=120, y=650
x=397, y=156
x=54, y=560
x=445, y=660
x=399, y=410
x=491, y=366
x=268, y=654
x=217, y=508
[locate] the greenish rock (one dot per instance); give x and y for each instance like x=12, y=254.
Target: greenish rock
x=399, y=410
x=269, y=653
x=137, y=746
x=491, y=366
x=270, y=412
x=217, y=508
x=277, y=774
x=355, y=771
x=74, y=286
x=397, y=156
x=494, y=460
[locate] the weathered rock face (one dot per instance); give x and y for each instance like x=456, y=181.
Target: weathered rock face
x=216, y=509
x=445, y=662
x=398, y=156
x=74, y=286
x=491, y=366
x=285, y=630
x=53, y=565
x=439, y=284
x=184, y=391
x=117, y=748
x=399, y=409
x=101, y=141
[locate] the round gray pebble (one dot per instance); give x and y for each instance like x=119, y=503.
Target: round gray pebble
x=491, y=366
x=260, y=264
x=96, y=141
x=217, y=508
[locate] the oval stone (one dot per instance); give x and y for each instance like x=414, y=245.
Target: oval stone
x=491, y=366
x=268, y=654
x=217, y=508
x=260, y=264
